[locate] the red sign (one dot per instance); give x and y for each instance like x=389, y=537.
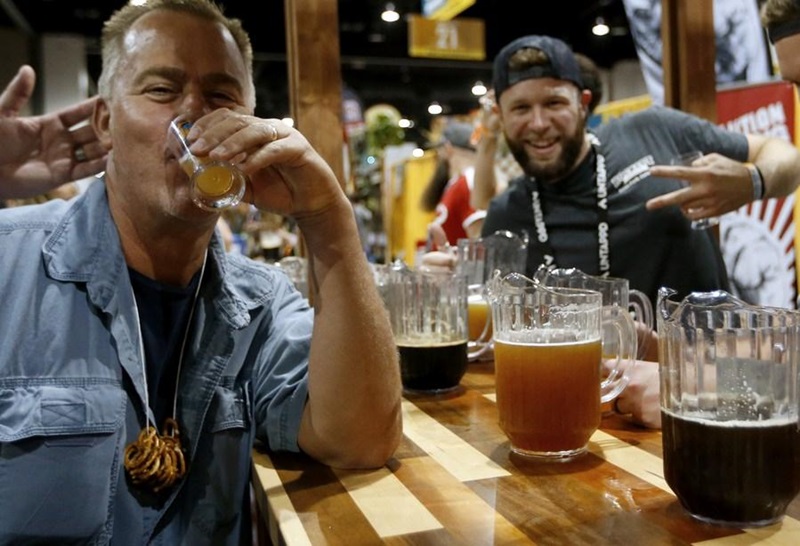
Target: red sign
x=758, y=240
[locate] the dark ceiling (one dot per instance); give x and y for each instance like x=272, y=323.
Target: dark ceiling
x=375, y=60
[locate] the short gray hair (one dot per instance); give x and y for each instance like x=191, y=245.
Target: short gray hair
x=120, y=22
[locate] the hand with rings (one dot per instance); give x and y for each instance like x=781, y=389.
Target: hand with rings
x=639, y=401
x=285, y=174
x=40, y=153
x=80, y=154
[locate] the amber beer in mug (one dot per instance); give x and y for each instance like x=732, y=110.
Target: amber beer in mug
x=478, y=318
x=549, y=349
x=548, y=394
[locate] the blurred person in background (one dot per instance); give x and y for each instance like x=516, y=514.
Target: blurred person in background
x=781, y=18
x=455, y=218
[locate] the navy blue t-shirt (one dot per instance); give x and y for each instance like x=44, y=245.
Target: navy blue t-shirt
x=163, y=314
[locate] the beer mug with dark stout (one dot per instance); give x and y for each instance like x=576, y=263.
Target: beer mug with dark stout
x=729, y=411
x=428, y=311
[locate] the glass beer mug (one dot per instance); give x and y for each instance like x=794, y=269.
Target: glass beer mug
x=615, y=291
x=729, y=406
x=478, y=259
x=428, y=311
x=549, y=349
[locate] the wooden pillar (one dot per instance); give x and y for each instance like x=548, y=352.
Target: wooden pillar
x=689, y=53
x=315, y=77
x=315, y=84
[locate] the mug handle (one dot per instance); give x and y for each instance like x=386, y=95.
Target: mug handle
x=642, y=309
x=478, y=347
x=620, y=322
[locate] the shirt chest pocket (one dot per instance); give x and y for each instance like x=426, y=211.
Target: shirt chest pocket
x=60, y=449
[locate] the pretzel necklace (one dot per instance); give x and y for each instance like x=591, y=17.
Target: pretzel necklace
x=156, y=462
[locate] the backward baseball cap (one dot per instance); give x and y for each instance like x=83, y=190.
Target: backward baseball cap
x=562, y=66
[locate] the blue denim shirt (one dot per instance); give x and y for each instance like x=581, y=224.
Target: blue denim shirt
x=72, y=387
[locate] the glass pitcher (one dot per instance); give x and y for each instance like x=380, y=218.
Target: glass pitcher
x=549, y=349
x=729, y=406
x=615, y=290
x=478, y=259
x=428, y=311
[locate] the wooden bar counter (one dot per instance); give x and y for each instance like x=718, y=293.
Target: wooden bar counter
x=454, y=480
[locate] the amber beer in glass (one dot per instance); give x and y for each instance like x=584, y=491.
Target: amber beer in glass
x=214, y=184
x=548, y=394
x=477, y=260
x=549, y=349
x=478, y=315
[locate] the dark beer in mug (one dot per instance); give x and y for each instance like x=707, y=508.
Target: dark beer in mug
x=739, y=473
x=435, y=367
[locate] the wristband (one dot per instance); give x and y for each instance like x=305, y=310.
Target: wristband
x=757, y=179
x=480, y=134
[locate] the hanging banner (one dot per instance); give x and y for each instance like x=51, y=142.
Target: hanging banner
x=758, y=240
x=742, y=54
x=444, y=10
x=462, y=38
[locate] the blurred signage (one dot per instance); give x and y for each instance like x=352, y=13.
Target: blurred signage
x=759, y=241
x=444, y=10
x=462, y=38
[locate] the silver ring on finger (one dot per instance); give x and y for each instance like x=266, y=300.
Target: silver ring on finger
x=80, y=154
x=274, y=130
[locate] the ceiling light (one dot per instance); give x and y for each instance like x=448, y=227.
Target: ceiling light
x=389, y=14
x=478, y=89
x=600, y=27
x=435, y=108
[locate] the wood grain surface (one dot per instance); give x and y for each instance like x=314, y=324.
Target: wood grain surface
x=454, y=480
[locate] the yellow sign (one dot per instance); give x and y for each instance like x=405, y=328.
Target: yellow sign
x=444, y=10
x=455, y=39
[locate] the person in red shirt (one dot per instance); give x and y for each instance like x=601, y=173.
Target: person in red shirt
x=455, y=217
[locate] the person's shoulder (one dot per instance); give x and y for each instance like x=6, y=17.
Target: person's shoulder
x=655, y=118
x=43, y=216
x=651, y=114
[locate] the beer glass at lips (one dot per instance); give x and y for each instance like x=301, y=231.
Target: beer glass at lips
x=615, y=291
x=477, y=259
x=729, y=413
x=214, y=184
x=548, y=352
x=428, y=310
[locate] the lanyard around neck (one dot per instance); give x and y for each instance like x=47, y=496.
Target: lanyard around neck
x=543, y=238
